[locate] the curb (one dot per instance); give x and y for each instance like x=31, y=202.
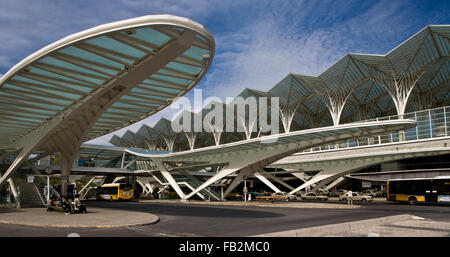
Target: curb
x=339, y=228
x=79, y=226
x=33, y=219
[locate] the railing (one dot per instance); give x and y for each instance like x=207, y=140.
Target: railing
x=432, y=123
x=76, y=163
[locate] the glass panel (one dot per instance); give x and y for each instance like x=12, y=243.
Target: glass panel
x=423, y=125
x=364, y=141
x=171, y=79
x=193, y=70
x=160, y=88
x=73, y=51
x=196, y=53
x=352, y=143
x=45, y=90
x=151, y=36
x=447, y=120
x=438, y=122
x=66, y=65
x=57, y=76
x=116, y=46
x=132, y=98
x=72, y=86
x=385, y=139
x=394, y=137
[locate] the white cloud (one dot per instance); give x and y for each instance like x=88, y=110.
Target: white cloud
x=5, y=62
x=271, y=52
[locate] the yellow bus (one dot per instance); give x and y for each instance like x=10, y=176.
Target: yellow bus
x=115, y=192
x=419, y=190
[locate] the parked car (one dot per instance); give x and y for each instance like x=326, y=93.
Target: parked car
x=234, y=196
x=356, y=197
x=314, y=196
x=373, y=193
x=280, y=196
x=323, y=191
x=337, y=193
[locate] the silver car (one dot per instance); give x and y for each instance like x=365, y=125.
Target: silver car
x=314, y=196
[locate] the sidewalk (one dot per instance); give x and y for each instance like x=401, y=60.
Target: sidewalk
x=404, y=225
x=94, y=218
x=318, y=205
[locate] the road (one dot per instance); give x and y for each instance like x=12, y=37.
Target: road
x=206, y=220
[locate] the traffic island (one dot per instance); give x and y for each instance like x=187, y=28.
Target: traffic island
x=94, y=218
x=404, y=225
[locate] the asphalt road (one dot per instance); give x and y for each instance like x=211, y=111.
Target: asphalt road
x=205, y=220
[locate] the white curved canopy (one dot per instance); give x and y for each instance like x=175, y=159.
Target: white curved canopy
x=63, y=74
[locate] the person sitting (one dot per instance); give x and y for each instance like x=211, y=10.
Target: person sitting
x=78, y=204
x=65, y=205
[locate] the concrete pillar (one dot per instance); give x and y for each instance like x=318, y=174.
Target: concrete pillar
x=66, y=168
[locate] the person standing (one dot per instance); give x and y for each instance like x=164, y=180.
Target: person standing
x=350, y=197
x=8, y=195
x=19, y=198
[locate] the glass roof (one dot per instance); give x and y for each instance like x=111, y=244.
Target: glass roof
x=356, y=80
x=50, y=81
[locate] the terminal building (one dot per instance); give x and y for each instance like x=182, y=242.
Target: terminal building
x=365, y=119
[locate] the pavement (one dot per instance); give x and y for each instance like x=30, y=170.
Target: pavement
x=404, y=225
x=94, y=218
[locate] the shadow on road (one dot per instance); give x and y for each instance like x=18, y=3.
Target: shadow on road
x=186, y=210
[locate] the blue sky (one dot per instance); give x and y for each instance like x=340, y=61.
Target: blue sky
x=257, y=42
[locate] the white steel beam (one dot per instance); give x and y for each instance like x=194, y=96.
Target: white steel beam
x=267, y=182
x=162, y=168
x=281, y=182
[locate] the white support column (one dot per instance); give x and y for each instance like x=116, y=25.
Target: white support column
x=334, y=183
x=317, y=178
x=246, y=172
x=267, y=182
x=23, y=154
x=122, y=164
x=192, y=189
x=169, y=177
x=191, y=136
x=116, y=179
x=145, y=191
x=126, y=166
x=281, y=182
x=221, y=174
x=13, y=188
x=150, y=187
x=86, y=186
x=48, y=188
x=299, y=176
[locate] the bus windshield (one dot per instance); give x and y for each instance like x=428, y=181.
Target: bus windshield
x=107, y=190
x=126, y=187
